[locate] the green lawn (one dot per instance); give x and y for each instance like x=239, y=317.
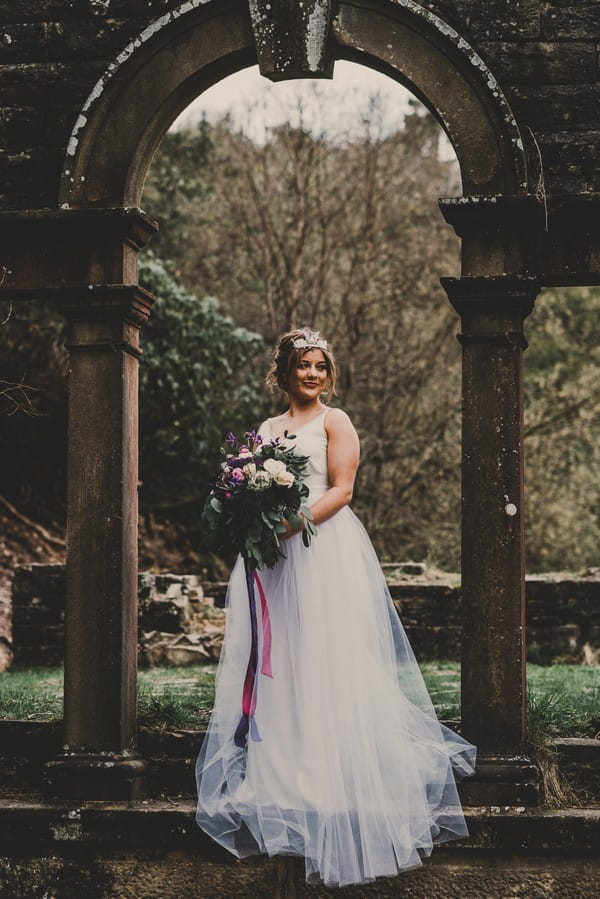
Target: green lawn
x=563, y=699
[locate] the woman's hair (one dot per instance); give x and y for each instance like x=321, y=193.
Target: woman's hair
x=287, y=356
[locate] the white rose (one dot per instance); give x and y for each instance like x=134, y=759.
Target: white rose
x=261, y=480
x=284, y=478
x=249, y=469
x=274, y=467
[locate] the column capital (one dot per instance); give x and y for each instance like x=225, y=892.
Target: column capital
x=105, y=317
x=504, y=291
x=124, y=302
x=69, y=247
x=493, y=308
x=521, y=212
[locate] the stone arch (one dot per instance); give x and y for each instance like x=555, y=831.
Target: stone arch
x=101, y=229
x=202, y=41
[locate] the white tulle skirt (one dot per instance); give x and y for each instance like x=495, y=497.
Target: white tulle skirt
x=352, y=770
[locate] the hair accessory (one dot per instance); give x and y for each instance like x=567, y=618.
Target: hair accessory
x=311, y=340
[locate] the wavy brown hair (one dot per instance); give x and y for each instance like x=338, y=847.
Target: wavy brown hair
x=286, y=357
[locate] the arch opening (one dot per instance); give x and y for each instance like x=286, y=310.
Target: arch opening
x=310, y=214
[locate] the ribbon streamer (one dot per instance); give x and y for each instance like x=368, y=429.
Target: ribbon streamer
x=265, y=667
x=247, y=721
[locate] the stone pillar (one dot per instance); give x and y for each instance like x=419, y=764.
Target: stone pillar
x=492, y=311
x=99, y=758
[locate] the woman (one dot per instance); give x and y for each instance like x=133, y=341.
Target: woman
x=351, y=770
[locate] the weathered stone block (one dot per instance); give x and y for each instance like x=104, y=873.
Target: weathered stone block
x=23, y=42
x=501, y=19
x=565, y=151
x=151, y=8
x=61, y=10
x=48, y=83
x=536, y=62
x=198, y=648
x=31, y=126
x=32, y=172
x=571, y=21
x=40, y=10
x=558, y=108
x=91, y=39
x=292, y=38
x=169, y=602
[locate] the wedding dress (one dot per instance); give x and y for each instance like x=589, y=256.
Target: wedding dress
x=349, y=766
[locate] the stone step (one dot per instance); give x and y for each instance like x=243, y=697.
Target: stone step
x=578, y=760
x=155, y=849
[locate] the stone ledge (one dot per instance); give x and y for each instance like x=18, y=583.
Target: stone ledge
x=170, y=825
x=25, y=746
x=583, y=750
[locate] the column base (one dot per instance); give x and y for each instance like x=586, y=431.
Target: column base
x=104, y=775
x=502, y=780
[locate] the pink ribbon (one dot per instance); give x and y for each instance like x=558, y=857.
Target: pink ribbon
x=265, y=666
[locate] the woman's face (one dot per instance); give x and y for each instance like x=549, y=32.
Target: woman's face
x=308, y=378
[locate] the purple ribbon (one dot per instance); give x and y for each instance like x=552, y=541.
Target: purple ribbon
x=247, y=721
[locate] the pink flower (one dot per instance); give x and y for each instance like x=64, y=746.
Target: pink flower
x=238, y=475
x=228, y=496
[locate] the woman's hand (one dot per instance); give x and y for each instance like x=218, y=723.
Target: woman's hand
x=290, y=530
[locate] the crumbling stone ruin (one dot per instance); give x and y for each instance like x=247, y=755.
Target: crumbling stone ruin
x=88, y=89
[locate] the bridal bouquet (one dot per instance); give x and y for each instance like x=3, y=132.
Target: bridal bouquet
x=259, y=484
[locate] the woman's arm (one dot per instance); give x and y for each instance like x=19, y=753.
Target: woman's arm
x=343, y=451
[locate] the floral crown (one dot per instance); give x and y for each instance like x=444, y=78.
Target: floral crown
x=311, y=340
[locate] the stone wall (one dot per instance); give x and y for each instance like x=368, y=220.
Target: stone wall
x=178, y=623
x=544, y=55
x=182, y=622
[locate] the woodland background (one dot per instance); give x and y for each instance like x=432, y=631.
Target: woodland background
x=258, y=236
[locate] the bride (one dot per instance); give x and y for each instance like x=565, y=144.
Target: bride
x=350, y=767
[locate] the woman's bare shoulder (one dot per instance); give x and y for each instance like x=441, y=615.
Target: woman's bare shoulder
x=336, y=420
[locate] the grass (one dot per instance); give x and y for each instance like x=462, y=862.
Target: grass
x=176, y=697
x=564, y=700
x=443, y=683
x=31, y=693
x=167, y=697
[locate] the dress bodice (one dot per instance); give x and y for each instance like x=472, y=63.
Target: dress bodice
x=311, y=441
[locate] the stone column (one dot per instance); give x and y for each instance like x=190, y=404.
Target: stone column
x=492, y=311
x=99, y=758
